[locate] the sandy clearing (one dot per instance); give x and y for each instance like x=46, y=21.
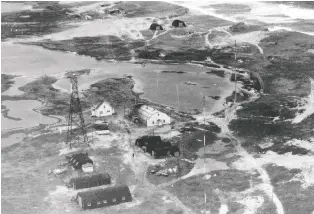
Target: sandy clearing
x=223, y=209
x=248, y=162
x=309, y=145
x=252, y=203
x=210, y=165
x=129, y=27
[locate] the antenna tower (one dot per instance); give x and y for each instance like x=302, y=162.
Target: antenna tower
x=76, y=124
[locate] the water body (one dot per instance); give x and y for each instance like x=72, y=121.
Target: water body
x=157, y=86
x=23, y=110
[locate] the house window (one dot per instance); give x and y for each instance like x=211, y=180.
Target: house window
x=108, y=111
x=123, y=198
x=164, y=121
x=104, y=201
x=153, y=122
x=114, y=200
x=98, y=202
x=101, y=112
x=89, y=204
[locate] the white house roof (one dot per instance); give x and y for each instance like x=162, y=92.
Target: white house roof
x=98, y=105
x=146, y=111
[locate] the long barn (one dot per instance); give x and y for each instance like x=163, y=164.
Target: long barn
x=104, y=197
x=90, y=180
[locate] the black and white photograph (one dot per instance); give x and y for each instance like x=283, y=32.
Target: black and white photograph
x=157, y=107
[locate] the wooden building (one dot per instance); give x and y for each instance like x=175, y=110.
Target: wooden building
x=104, y=197
x=90, y=180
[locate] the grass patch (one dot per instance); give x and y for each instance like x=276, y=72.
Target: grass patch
x=293, y=197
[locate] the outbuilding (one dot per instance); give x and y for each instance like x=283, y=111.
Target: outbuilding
x=89, y=180
x=178, y=23
x=155, y=26
x=102, y=109
x=152, y=117
x=78, y=160
x=104, y=197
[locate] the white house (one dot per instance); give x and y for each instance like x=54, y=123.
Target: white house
x=102, y=109
x=152, y=117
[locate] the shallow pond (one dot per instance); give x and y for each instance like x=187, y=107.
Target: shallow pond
x=22, y=110
x=157, y=86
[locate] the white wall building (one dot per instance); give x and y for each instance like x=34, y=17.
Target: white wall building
x=152, y=117
x=102, y=109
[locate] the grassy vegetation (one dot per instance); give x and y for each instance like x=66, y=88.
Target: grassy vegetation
x=99, y=47
x=6, y=81
x=293, y=197
x=56, y=102
x=32, y=22
x=191, y=190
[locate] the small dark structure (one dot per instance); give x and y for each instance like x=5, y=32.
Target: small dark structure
x=155, y=26
x=178, y=23
x=91, y=180
x=78, y=160
x=156, y=147
x=104, y=197
x=114, y=11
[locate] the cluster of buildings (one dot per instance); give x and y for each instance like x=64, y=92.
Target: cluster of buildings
x=99, y=196
x=144, y=114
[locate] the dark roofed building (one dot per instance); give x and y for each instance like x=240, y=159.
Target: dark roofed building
x=90, y=180
x=178, y=23
x=155, y=26
x=78, y=160
x=103, y=197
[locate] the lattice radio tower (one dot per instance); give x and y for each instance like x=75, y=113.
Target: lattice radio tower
x=76, y=124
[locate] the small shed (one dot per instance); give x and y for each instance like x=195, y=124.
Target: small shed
x=152, y=117
x=102, y=109
x=78, y=160
x=90, y=180
x=178, y=23
x=104, y=197
x=155, y=26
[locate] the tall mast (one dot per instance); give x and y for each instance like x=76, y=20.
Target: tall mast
x=177, y=97
x=235, y=73
x=204, y=152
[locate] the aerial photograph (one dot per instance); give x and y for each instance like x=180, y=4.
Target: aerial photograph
x=157, y=107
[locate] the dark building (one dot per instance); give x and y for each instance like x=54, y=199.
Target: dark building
x=155, y=26
x=178, y=23
x=78, y=160
x=104, y=197
x=156, y=147
x=91, y=180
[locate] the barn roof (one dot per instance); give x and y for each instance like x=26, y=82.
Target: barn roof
x=91, y=178
x=145, y=112
x=103, y=193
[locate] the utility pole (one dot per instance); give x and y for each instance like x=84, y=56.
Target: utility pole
x=235, y=73
x=204, y=129
x=177, y=97
x=75, y=116
x=204, y=154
